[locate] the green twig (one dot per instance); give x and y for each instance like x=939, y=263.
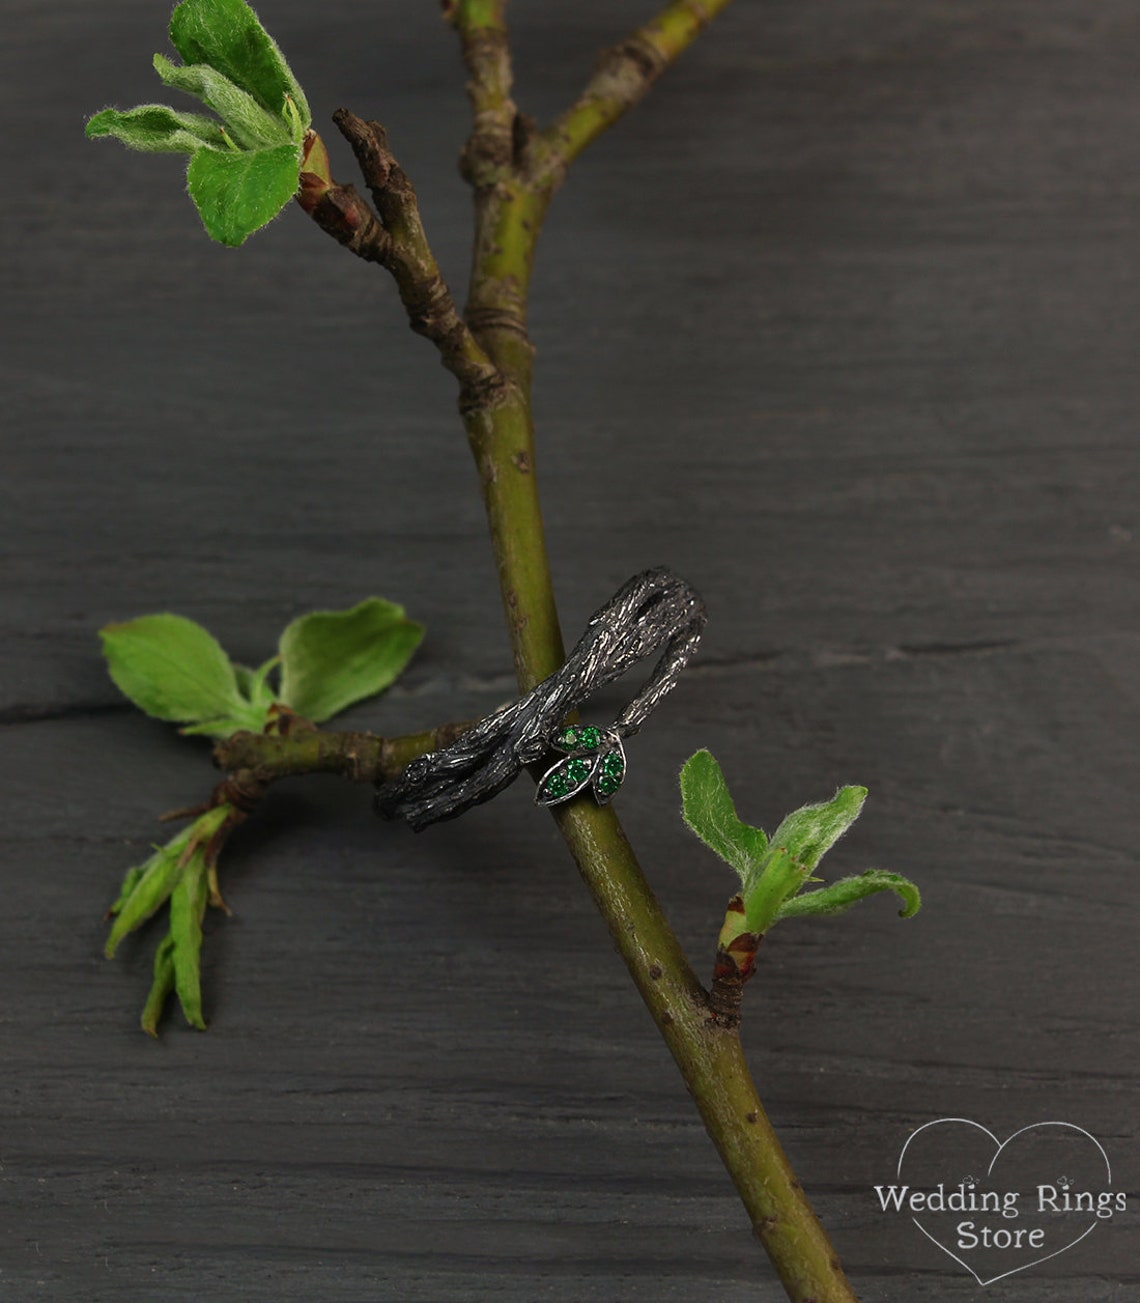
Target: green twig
x=624, y=75
x=509, y=216
x=261, y=758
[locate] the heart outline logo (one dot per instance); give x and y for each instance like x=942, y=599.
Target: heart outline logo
x=999, y=1148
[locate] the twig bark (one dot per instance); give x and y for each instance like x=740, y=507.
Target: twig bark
x=254, y=761
x=360, y=757
x=625, y=73
x=393, y=236
x=510, y=204
x=497, y=129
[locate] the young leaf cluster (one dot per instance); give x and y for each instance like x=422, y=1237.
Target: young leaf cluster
x=774, y=870
x=174, y=670
x=180, y=873
x=245, y=162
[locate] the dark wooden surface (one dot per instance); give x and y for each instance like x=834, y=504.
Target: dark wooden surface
x=841, y=324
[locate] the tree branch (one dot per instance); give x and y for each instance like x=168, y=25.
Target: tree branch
x=499, y=133
x=393, y=236
x=261, y=758
x=509, y=215
x=625, y=73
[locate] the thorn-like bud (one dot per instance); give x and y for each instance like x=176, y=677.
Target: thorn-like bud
x=315, y=179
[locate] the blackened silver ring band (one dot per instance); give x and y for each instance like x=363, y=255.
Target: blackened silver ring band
x=655, y=611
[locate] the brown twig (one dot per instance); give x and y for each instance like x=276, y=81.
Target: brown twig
x=360, y=757
x=392, y=235
x=291, y=746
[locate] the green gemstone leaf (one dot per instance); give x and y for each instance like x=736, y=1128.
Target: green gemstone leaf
x=709, y=811
x=174, y=670
x=227, y=35
x=157, y=129
x=331, y=659
x=238, y=193
x=161, y=986
x=609, y=774
x=187, y=909
x=250, y=125
x=554, y=786
x=841, y=895
x=565, y=779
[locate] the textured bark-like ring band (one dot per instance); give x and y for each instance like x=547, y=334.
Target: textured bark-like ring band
x=653, y=612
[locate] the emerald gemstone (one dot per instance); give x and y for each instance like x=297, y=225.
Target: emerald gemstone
x=555, y=786
x=589, y=738
x=578, y=771
x=609, y=783
x=613, y=765
x=567, y=738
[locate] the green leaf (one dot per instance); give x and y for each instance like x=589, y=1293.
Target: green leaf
x=797, y=846
x=846, y=892
x=238, y=193
x=227, y=35
x=146, y=889
x=173, y=669
x=709, y=811
x=130, y=882
x=161, y=986
x=243, y=173
x=187, y=909
x=255, y=686
x=148, y=893
x=227, y=726
x=158, y=129
x=810, y=832
x=330, y=659
x=251, y=126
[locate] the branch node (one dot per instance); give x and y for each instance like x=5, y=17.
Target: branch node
x=735, y=964
x=647, y=59
x=523, y=131
x=484, y=319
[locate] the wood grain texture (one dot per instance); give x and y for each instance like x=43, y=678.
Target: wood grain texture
x=841, y=325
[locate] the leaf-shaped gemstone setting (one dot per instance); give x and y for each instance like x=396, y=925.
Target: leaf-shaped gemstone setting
x=610, y=773
x=594, y=756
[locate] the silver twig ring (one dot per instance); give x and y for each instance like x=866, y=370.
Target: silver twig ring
x=653, y=612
